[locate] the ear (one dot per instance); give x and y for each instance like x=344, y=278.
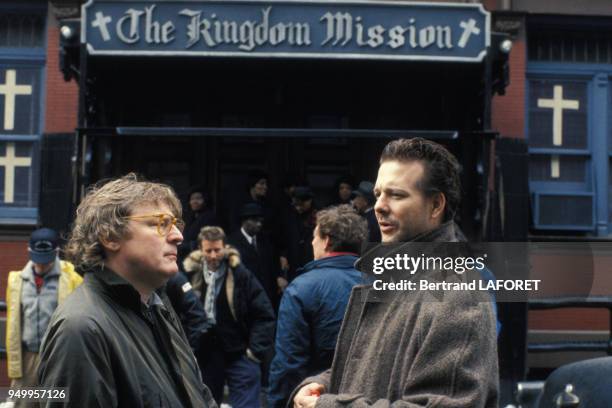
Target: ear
x=327, y=241
x=438, y=206
x=110, y=246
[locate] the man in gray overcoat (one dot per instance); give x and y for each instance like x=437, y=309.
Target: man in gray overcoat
x=407, y=350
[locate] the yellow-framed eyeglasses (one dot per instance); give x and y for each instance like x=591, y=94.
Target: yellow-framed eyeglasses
x=164, y=222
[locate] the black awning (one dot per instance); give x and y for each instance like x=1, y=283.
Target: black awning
x=285, y=133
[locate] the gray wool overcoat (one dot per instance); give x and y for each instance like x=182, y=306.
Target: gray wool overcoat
x=407, y=351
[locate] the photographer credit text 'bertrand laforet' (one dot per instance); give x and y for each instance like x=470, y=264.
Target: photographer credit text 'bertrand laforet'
x=458, y=265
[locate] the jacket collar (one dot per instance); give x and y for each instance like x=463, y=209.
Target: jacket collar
x=27, y=273
x=447, y=232
x=111, y=278
x=117, y=287
x=194, y=262
x=338, y=261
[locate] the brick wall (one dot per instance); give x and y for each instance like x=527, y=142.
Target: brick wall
x=14, y=257
x=490, y=5
x=569, y=319
x=62, y=97
x=61, y=106
x=508, y=111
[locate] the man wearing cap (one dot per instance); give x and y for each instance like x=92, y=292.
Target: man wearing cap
x=363, y=201
x=297, y=232
x=32, y=296
x=256, y=251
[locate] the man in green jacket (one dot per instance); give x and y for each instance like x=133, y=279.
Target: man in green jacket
x=410, y=350
x=116, y=341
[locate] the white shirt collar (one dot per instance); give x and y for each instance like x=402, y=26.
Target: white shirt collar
x=247, y=236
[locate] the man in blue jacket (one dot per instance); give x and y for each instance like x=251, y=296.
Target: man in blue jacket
x=313, y=305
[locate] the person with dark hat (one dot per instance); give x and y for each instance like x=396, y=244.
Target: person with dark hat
x=256, y=249
x=32, y=296
x=363, y=201
x=297, y=232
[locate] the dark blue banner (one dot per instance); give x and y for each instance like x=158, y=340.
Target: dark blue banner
x=288, y=29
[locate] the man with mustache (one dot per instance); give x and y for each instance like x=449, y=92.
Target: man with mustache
x=407, y=349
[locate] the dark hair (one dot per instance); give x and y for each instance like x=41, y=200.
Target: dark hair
x=208, y=203
x=254, y=176
x=346, y=229
x=441, y=168
x=346, y=179
x=211, y=233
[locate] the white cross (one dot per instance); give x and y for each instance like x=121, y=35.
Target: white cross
x=557, y=104
x=101, y=21
x=9, y=162
x=469, y=28
x=10, y=90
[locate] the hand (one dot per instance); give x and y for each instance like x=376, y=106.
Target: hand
x=308, y=395
x=282, y=283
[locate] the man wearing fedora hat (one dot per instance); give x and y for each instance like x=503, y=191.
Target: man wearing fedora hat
x=363, y=201
x=256, y=250
x=32, y=296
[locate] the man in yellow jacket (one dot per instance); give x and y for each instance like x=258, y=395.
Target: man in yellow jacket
x=32, y=296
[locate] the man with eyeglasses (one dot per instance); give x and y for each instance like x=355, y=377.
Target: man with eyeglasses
x=117, y=342
x=32, y=296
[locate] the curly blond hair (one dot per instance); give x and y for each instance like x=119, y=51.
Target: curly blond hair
x=100, y=216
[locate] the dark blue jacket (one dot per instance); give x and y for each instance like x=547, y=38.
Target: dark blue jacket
x=309, y=319
x=188, y=308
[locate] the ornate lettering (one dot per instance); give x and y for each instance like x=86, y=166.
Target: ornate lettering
x=133, y=17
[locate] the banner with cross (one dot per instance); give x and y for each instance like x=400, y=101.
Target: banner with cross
x=360, y=29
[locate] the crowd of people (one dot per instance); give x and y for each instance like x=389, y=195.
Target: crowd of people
x=270, y=304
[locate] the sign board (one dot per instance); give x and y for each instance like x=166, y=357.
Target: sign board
x=377, y=30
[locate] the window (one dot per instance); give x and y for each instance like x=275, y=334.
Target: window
x=16, y=167
x=560, y=161
x=563, y=45
x=22, y=58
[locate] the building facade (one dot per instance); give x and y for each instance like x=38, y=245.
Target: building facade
x=308, y=116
